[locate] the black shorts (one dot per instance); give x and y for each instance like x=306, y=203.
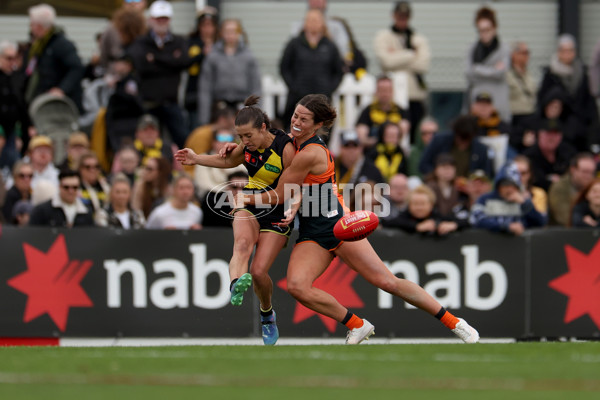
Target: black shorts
x=268, y=220
x=319, y=229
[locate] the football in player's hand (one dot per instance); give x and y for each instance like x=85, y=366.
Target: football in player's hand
x=356, y=225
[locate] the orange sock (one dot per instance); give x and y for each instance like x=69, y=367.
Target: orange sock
x=449, y=320
x=354, y=322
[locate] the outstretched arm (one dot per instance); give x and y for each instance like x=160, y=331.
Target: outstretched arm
x=189, y=157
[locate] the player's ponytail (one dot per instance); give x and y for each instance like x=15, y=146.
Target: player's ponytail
x=252, y=114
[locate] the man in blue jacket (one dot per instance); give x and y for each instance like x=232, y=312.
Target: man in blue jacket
x=469, y=154
x=507, y=208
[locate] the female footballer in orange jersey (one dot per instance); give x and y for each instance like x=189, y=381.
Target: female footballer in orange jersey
x=317, y=246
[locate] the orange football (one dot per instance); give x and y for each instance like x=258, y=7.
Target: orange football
x=356, y=225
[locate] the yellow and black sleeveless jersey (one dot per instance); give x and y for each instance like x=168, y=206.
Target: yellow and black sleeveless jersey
x=266, y=165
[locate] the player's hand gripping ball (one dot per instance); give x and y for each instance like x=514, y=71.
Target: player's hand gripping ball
x=356, y=225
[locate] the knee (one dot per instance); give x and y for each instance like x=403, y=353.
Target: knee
x=259, y=271
x=243, y=246
x=387, y=284
x=296, y=289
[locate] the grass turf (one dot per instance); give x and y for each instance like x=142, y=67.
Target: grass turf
x=424, y=371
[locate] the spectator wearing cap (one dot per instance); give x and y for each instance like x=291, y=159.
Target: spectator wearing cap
x=567, y=73
x=77, y=145
x=14, y=119
x=230, y=73
x=41, y=153
x=381, y=110
x=20, y=190
x=488, y=61
x=208, y=178
x=401, y=49
x=550, y=156
x=148, y=142
x=352, y=167
x=159, y=57
x=506, y=209
x=521, y=86
x=563, y=192
x=200, y=43
x=65, y=209
x=22, y=212
x=53, y=65
x=469, y=154
x=476, y=185
x=488, y=119
x=387, y=155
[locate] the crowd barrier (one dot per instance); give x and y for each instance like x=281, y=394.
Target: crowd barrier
x=110, y=283
x=350, y=98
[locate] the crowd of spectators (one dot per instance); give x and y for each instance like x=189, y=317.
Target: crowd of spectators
x=521, y=154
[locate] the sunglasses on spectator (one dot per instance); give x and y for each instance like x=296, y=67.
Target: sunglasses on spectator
x=132, y=1
x=70, y=187
x=24, y=176
x=91, y=166
x=149, y=168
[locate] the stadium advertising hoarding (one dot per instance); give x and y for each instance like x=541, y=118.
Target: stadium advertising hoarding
x=105, y=283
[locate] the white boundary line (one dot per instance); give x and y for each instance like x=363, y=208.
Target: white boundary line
x=153, y=342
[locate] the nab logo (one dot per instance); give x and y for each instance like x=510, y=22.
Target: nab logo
x=581, y=284
x=52, y=283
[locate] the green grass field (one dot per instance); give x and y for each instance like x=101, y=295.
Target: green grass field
x=565, y=371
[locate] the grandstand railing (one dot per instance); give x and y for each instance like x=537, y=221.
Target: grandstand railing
x=349, y=99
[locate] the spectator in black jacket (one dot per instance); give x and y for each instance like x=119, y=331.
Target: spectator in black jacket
x=21, y=189
x=64, y=209
x=567, y=73
x=13, y=112
x=550, y=156
x=310, y=63
x=159, y=57
x=586, y=209
x=52, y=65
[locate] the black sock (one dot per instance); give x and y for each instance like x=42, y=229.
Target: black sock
x=440, y=313
x=232, y=283
x=347, y=318
x=267, y=313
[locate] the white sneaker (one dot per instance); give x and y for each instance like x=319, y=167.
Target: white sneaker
x=466, y=332
x=357, y=335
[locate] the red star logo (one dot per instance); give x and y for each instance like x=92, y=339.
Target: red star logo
x=52, y=283
x=581, y=284
x=337, y=281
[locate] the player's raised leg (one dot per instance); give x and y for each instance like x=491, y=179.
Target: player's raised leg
x=361, y=257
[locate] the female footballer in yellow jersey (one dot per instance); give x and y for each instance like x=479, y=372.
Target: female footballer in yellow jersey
x=265, y=153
